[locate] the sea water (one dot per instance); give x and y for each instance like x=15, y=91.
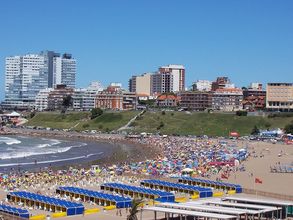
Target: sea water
x=35, y=151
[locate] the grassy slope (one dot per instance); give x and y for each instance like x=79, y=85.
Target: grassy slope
x=57, y=120
x=107, y=121
x=174, y=122
x=204, y=123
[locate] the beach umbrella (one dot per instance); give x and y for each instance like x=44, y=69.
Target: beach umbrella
x=187, y=170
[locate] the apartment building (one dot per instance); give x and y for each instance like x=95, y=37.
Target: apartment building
x=196, y=100
x=279, y=97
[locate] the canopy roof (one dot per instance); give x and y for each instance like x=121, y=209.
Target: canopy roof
x=160, y=194
x=121, y=202
x=46, y=199
x=14, y=211
x=204, y=192
x=237, y=187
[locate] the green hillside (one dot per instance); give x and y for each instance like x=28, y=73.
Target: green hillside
x=108, y=121
x=179, y=123
x=58, y=120
x=214, y=124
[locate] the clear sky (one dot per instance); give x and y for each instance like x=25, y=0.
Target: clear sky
x=247, y=40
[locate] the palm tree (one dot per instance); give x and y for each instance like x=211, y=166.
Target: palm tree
x=133, y=211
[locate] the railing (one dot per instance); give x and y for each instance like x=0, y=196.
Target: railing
x=268, y=194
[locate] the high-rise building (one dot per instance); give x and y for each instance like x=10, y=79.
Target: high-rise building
x=156, y=83
x=174, y=78
x=24, y=78
x=49, y=57
x=141, y=84
x=26, y=75
x=64, y=70
x=279, y=97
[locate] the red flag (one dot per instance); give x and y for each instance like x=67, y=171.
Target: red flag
x=223, y=176
x=257, y=180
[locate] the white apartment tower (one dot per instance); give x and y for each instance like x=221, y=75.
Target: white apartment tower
x=64, y=70
x=176, y=75
x=26, y=75
x=24, y=78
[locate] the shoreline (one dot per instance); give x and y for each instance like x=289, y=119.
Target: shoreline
x=123, y=149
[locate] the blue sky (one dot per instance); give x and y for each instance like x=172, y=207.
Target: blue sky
x=246, y=40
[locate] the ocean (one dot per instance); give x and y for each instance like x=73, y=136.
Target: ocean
x=21, y=152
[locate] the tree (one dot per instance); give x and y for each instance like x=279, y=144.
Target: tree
x=67, y=101
x=32, y=114
x=289, y=128
x=95, y=112
x=133, y=211
x=255, y=130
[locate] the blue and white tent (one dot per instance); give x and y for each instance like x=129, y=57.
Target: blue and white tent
x=169, y=186
x=45, y=202
x=95, y=196
x=23, y=213
x=135, y=191
x=210, y=183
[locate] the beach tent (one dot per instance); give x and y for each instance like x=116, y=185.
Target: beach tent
x=210, y=183
x=45, y=202
x=23, y=213
x=179, y=187
x=95, y=196
x=135, y=191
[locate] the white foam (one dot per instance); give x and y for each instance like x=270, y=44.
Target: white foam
x=9, y=141
x=49, y=161
x=22, y=154
x=40, y=149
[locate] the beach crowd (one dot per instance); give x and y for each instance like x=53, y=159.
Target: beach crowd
x=201, y=157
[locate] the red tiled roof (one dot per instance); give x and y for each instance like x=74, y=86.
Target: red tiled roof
x=164, y=97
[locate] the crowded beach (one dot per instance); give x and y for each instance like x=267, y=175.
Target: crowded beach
x=222, y=160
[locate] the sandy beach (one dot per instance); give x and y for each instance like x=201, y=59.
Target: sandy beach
x=259, y=163
x=262, y=155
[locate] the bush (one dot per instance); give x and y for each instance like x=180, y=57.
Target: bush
x=255, y=130
x=267, y=124
x=32, y=114
x=289, y=128
x=163, y=113
x=95, y=112
x=85, y=125
x=133, y=124
x=241, y=113
x=160, y=125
